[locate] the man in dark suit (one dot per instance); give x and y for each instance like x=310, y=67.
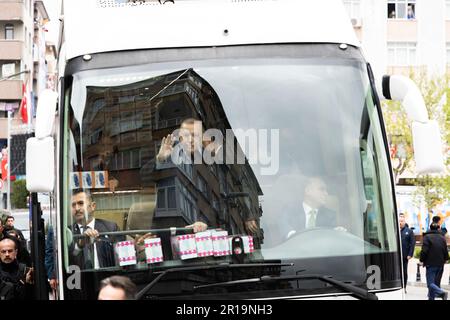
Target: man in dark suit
x=93, y=250
x=408, y=242
x=312, y=213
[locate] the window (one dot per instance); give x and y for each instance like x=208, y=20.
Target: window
x=353, y=8
x=202, y=185
x=9, y=32
x=402, y=53
x=166, y=198
x=187, y=204
x=127, y=159
x=215, y=202
x=401, y=9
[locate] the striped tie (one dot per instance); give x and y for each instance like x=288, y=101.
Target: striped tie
x=312, y=219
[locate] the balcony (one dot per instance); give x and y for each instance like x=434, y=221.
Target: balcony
x=402, y=30
x=11, y=49
x=11, y=90
x=11, y=10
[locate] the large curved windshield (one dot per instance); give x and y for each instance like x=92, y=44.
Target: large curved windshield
x=238, y=160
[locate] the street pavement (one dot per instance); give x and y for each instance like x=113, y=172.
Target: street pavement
x=417, y=290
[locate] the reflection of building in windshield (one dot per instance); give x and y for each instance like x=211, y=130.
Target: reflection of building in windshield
x=122, y=130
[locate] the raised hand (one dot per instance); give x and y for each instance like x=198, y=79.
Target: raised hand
x=166, y=148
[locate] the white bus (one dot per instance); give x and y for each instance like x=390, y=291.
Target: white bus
x=298, y=200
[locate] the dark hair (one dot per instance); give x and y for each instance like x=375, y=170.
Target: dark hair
x=11, y=238
x=10, y=232
x=85, y=191
x=436, y=219
x=121, y=282
x=434, y=226
x=10, y=217
x=401, y=214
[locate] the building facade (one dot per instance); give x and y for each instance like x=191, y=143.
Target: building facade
x=397, y=37
x=399, y=34
x=23, y=74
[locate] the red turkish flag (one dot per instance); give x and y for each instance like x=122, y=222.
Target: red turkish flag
x=4, y=165
x=24, y=104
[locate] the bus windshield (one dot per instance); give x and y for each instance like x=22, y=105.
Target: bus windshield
x=241, y=161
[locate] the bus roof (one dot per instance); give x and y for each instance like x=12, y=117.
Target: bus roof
x=104, y=26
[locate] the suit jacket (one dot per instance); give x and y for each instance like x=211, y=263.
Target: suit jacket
x=104, y=243
x=324, y=218
x=408, y=242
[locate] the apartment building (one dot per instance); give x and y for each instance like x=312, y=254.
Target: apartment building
x=16, y=47
x=399, y=34
x=23, y=73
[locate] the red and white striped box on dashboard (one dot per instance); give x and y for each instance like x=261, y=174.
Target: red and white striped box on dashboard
x=153, y=250
x=184, y=246
x=204, y=242
x=126, y=253
x=221, y=244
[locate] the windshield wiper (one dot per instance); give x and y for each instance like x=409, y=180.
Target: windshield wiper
x=225, y=265
x=354, y=290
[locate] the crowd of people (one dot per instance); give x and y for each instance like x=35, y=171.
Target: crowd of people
x=16, y=272
x=433, y=254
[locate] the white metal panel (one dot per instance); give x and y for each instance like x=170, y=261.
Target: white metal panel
x=91, y=28
x=40, y=165
x=427, y=147
x=45, y=115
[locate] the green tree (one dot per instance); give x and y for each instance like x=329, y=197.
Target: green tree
x=19, y=194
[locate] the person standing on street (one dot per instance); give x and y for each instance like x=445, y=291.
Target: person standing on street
x=14, y=276
x=408, y=244
x=434, y=254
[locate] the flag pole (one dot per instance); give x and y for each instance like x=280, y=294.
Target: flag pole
x=8, y=178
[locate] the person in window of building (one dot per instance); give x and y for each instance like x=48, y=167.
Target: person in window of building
x=433, y=256
x=408, y=244
x=195, y=143
x=14, y=276
x=190, y=138
x=312, y=212
x=117, y=288
x=411, y=14
x=93, y=250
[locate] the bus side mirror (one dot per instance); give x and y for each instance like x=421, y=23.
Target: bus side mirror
x=40, y=154
x=426, y=136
